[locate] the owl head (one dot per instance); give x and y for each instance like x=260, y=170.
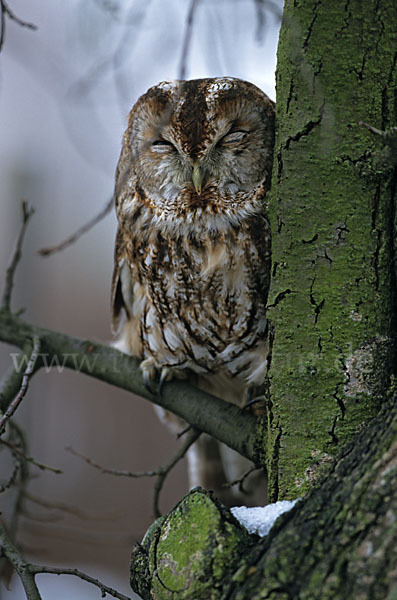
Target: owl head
x=193, y=145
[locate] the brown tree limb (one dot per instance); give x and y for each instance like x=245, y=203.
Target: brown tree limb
x=223, y=420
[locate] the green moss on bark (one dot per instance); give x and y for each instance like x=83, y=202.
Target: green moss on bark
x=331, y=301
x=189, y=553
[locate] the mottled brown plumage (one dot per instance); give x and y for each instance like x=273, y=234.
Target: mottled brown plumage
x=192, y=256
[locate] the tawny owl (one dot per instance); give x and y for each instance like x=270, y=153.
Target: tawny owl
x=192, y=256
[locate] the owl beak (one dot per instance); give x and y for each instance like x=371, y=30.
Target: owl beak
x=197, y=178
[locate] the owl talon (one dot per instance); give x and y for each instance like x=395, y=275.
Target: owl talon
x=149, y=370
x=251, y=401
x=166, y=375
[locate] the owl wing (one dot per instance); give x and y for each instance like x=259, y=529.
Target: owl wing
x=122, y=284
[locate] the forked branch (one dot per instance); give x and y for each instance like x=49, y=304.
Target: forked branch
x=160, y=473
x=28, y=571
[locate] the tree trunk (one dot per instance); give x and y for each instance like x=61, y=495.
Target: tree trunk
x=331, y=309
x=332, y=296
x=339, y=543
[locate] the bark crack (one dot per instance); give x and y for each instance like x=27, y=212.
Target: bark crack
x=378, y=233
x=290, y=92
x=318, y=306
x=311, y=25
x=313, y=239
x=306, y=129
x=347, y=22
x=332, y=433
x=279, y=298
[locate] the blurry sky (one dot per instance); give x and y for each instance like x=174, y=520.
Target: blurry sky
x=65, y=92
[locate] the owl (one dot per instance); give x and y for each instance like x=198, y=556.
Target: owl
x=192, y=252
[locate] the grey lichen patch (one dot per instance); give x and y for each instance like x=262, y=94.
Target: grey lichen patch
x=365, y=367
x=190, y=552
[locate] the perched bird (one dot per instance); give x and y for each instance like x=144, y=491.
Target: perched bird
x=192, y=253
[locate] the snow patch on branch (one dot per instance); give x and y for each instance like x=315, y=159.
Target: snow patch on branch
x=260, y=519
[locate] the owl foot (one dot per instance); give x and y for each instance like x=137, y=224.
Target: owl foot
x=150, y=372
x=166, y=375
x=251, y=400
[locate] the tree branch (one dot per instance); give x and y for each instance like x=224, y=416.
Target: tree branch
x=16, y=257
x=161, y=472
x=12, y=407
x=81, y=231
x=15, y=450
x=36, y=569
x=6, y=12
x=20, y=566
x=11, y=382
x=187, y=38
x=27, y=571
x=223, y=420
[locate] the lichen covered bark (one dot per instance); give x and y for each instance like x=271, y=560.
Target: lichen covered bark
x=190, y=552
x=331, y=302
x=339, y=542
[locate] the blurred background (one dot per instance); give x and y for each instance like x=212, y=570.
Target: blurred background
x=65, y=92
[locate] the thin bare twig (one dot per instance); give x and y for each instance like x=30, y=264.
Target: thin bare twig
x=106, y=471
x=161, y=472
x=12, y=478
x=77, y=234
x=36, y=569
x=24, y=476
x=33, y=461
x=187, y=38
x=12, y=407
x=240, y=481
x=261, y=20
x=21, y=567
x=262, y=6
x=5, y=13
x=11, y=15
x=27, y=571
x=27, y=212
x=11, y=382
x=69, y=509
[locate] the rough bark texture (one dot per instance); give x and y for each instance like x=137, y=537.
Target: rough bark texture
x=331, y=301
x=339, y=543
x=183, y=554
